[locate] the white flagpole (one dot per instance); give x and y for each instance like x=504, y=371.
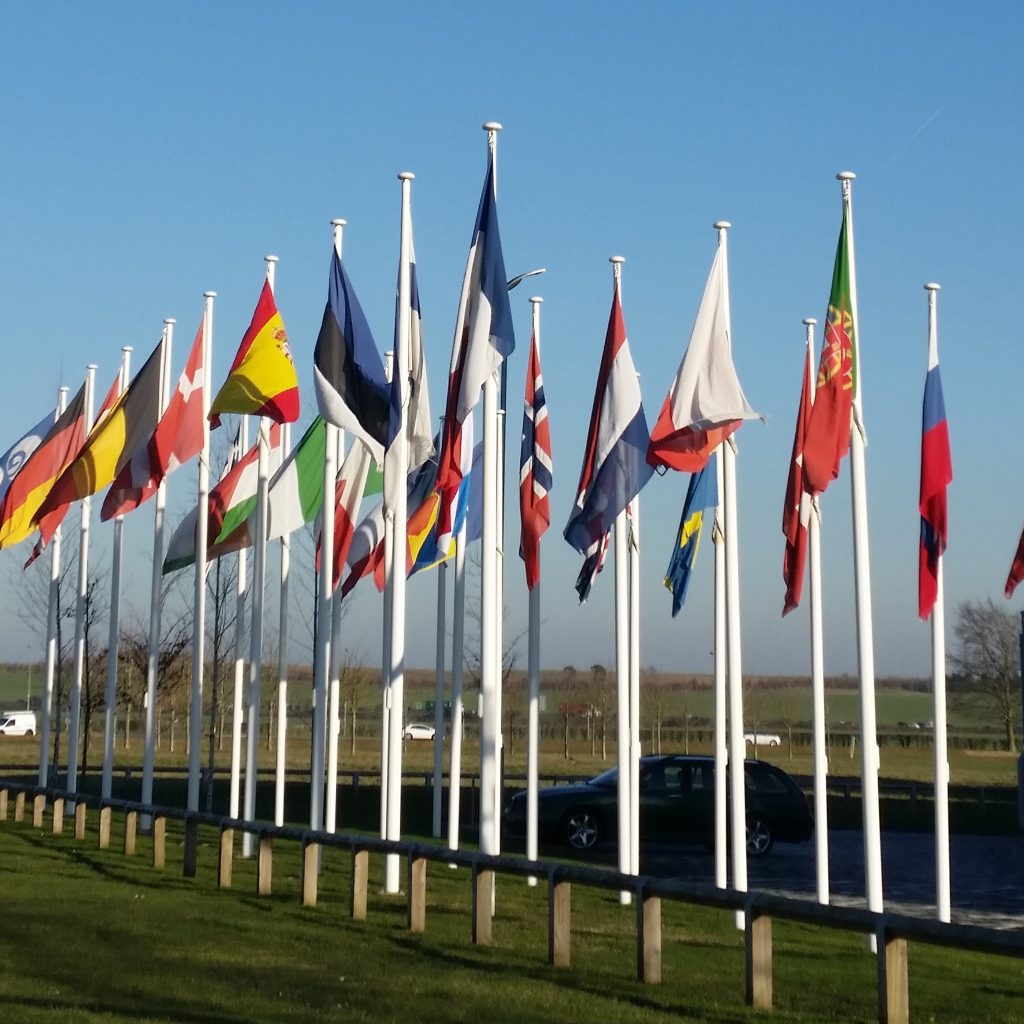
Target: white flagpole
x=817, y=674
x=83, y=586
x=156, y=593
x=195, y=721
x=865, y=634
x=458, y=656
x=334, y=699
x=533, y=675
x=721, y=715
x=942, y=895
x=238, y=695
x=386, y=627
x=282, y=661
x=325, y=601
x=634, y=687
x=259, y=587
x=734, y=669
x=51, y=631
x=110, y=690
x=623, y=742
x=439, y=660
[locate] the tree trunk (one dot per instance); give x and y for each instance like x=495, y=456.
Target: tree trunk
x=128, y=727
x=565, y=739
x=352, y=740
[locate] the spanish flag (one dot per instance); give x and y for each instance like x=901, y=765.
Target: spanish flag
x=113, y=440
x=20, y=505
x=262, y=381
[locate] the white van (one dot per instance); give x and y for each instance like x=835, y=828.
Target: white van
x=17, y=723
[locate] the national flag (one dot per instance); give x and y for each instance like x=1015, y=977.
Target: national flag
x=35, y=479
x=262, y=381
x=936, y=475
x=351, y=389
x=296, y=491
x=229, y=506
x=177, y=438
x=1016, y=570
x=797, y=510
x=828, y=430
x=17, y=455
x=483, y=338
x=113, y=439
x=593, y=563
x=701, y=495
x=534, y=469
x=615, y=467
x=705, y=404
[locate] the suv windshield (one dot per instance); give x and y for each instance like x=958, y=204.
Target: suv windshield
x=607, y=779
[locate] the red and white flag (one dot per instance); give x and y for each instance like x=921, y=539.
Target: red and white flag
x=797, y=511
x=178, y=437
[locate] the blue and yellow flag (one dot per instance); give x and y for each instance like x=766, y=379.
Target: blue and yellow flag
x=702, y=494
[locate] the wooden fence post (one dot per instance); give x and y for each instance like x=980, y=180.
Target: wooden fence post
x=648, y=938
x=893, y=978
x=3, y=804
x=310, y=872
x=104, y=833
x=80, y=813
x=191, y=852
x=225, y=860
x=58, y=815
x=483, y=888
x=360, y=876
x=758, y=948
x=131, y=831
x=559, y=922
x=417, y=886
x=265, y=866
x=38, y=808
x=159, y=843
x=19, y=806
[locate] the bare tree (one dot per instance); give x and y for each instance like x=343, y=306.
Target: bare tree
x=601, y=703
x=986, y=659
x=355, y=683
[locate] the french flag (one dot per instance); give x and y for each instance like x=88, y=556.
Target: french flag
x=615, y=465
x=936, y=474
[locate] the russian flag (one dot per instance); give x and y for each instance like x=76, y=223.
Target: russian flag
x=936, y=474
x=615, y=465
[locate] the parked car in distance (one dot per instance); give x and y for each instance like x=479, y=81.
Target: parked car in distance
x=418, y=731
x=677, y=803
x=762, y=739
x=17, y=723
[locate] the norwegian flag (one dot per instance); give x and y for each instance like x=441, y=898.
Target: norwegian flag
x=534, y=469
x=178, y=436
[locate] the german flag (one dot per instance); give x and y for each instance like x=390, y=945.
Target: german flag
x=113, y=440
x=20, y=505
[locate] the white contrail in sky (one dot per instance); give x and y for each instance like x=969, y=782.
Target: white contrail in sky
x=913, y=135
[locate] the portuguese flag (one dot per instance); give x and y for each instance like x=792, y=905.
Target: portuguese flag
x=828, y=431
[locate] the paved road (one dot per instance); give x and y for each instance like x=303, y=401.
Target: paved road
x=987, y=872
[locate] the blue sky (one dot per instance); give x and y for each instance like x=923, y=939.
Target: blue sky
x=151, y=152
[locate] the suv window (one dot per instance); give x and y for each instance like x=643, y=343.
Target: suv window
x=760, y=780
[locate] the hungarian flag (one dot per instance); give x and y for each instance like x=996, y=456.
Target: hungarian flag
x=113, y=440
x=178, y=437
x=35, y=479
x=797, y=510
x=262, y=380
x=828, y=431
x=936, y=475
x=534, y=469
x=705, y=403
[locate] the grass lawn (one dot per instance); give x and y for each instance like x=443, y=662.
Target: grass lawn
x=92, y=936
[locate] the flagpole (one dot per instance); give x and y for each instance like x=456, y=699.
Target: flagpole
x=110, y=691
x=734, y=670
x=817, y=671
x=334, y=699
x=942, y=895
x=458, y=657
x=80, y=606
x=865, y=637
x=238, y=695
x=51, y=630
x=155, y=594
x=195, y=722
x=259, y=587
x=533, y=675
x=490, y=653
x=386, y=627
x=282, y=660
x=721, y=716
x=439, y=660
x=634, y=686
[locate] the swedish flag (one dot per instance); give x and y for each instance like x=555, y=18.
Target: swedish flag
x=702, y=494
